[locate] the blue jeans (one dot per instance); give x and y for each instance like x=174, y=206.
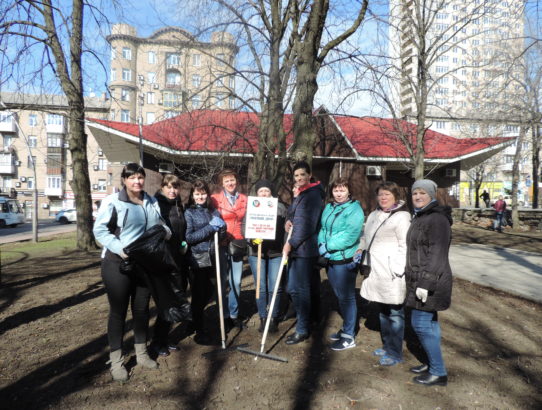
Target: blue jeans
x=233, y=268
x=343, y=282
x=299, y=288
x=392, y=329
x=498, y=222
x=427, y=329
x=269, y=270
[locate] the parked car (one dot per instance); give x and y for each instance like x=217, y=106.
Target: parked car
x=11, y=213
x=66, y=216
x=508, y=200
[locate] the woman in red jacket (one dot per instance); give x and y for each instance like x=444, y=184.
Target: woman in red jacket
x=232, y=206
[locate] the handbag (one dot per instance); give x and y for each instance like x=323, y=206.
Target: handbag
x=201, y=260
x=237, y=248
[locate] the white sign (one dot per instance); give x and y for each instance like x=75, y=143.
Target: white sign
x=261, y=218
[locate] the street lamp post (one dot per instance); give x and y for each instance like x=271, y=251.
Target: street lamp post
x=141, y=101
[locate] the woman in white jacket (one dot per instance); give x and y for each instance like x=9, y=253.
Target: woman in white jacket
x=385, y=237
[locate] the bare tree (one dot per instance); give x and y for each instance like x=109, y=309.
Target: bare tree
x=57, y=29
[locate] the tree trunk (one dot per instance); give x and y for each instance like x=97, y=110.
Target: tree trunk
x=536, y=163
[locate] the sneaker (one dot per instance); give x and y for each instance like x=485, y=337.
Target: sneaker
x=335, y=336
x=389, y=361
x=343, y=343
x=379, y=352
x=159, y=349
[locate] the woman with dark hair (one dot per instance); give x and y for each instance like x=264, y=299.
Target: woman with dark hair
x=428, y=277
x=172, y=211
x=202, y=222
x=341, y=226
x=122, y=218
x=232, y=206
x=303, y=217
x=384, y=240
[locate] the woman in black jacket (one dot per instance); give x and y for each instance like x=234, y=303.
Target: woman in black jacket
x=428, y=277
x=202, y=221
x=172, y=211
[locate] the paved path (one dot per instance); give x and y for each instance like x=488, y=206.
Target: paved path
x=510, y=270
x=24, y=232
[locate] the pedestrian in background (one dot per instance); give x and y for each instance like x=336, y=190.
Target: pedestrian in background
x=500, y=209
x=485, y=198
x=428, y=277
x=341, y=226
x=384, y=241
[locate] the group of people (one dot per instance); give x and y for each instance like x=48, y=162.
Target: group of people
x=407, y=257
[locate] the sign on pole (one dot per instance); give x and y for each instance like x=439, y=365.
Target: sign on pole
x=261, y=218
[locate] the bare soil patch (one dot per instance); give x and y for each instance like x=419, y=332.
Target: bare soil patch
x=53, y=313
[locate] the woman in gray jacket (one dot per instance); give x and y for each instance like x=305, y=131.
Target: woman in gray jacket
x=385, y=233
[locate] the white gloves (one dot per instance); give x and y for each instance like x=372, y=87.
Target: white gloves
x=422, y=294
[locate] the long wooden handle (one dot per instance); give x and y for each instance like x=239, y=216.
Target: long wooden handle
x=259, y=271
x=219, y=290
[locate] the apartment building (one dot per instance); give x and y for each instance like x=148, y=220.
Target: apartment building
x=34, y=129
x=160, y=76
x=474, y=70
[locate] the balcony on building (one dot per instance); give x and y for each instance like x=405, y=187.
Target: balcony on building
x=53, y=186
x=8, y=121
x=7, y=163
x=56, y=124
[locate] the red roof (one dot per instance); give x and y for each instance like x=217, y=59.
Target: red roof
x=202, y=130
x=237, y=132
x=379, y=137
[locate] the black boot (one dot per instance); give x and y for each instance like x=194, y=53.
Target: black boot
x=274, y=325
x=262, y=325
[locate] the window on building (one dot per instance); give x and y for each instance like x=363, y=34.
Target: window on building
x=171, y=113
x=112, y=115
x=6, y=183
x=220, y=59
x=440, y=125
x=30, y=182
x=55, y=119
x=32, y=141
x=511, y=128
x=196, y=101
x=173, y=59
x=54, y=140
x=196, y=60
x=126, y=53
x=126, y=74
x=125, y=94
x=232, y=82
x=113, y=53
x=7, y=139
x=150, y=98
x=102, y=164
x=150, y=117
x=125, y=115
x=151, y=57
x=102, y=185
x=113, y=74
x=219, y=82
x=54, y=182
x=173, y=78
x=231, y=100
x=151, y=77
x=172, y=99
x=30, y=160
x=196, y=80
x=219, y=99
x=32, y=120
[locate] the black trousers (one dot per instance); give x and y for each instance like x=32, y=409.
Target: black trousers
x=121, y=290
x=203, y=285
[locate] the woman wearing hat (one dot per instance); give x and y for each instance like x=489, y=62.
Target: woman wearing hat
x=428, y=277
x=270, y=261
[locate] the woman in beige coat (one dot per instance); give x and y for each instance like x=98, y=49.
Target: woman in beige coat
x=385, y=237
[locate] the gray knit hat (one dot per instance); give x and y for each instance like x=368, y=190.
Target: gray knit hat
x=426, y=185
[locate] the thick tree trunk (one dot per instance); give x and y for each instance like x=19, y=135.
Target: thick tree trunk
x=536, y=163
x=515, y=177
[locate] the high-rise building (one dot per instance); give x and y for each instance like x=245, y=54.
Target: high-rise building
x=159, y=76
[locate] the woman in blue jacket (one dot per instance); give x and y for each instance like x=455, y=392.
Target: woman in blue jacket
x=202, y=221
x=342, y=223
x=303, y=217
x=122, y=218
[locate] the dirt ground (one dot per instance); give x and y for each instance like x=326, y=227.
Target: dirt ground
x=53, y=313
